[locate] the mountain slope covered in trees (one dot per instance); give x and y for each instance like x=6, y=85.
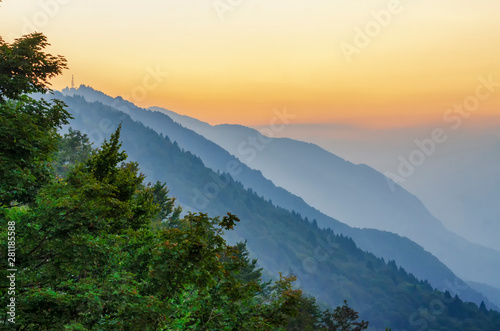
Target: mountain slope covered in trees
x=355, y=194
x=327, y=265
x=91, y=246
x=409, y=255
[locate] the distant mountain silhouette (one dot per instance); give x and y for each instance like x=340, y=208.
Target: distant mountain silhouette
x=466, y=195
x=328, y=265
x=409, y=255
x=356, y=194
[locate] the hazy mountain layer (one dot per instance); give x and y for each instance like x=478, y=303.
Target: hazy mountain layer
x=329, y=266
x=356, y=194
x=408, y=254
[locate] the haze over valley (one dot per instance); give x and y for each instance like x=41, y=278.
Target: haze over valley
x=250, y=165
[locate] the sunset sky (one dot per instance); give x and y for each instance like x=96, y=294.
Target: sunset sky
x=236, y=63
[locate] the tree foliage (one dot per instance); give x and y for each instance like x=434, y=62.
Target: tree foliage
x=28, y=127
x=73, y=149
x=310, y=317
x=26, y=68
x=92, y=259
x=99, y=249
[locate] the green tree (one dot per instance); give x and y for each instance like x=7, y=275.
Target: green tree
x=96, y=247
x=28, y=127
x=25, y=68
x=74, y=148
x=92, y=260
x=308, y=317
x=169, y=213
x=249, y=272
x=343, y=318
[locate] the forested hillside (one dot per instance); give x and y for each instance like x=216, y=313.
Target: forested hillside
x=409, y=255
x=355, y=194
x=327, y=265
x=92, y=246
x=97, y=247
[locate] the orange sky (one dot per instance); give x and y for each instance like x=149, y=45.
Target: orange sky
x=236, y=64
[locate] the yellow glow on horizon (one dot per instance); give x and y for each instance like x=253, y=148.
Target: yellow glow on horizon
x=267, y=55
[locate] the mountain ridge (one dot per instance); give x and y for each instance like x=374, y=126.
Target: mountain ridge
x=436, y=241
x=404, y=255
x=385, y=294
